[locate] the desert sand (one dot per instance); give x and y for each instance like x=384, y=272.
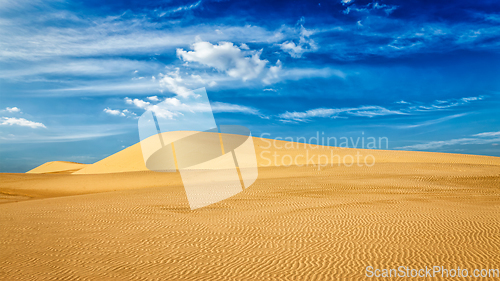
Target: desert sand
x=115, y=220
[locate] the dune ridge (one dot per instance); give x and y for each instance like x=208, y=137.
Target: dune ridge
x=130, y=159
x=60, y=167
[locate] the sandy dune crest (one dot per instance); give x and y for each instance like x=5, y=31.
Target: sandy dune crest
x=57, y=167
x=131, y=158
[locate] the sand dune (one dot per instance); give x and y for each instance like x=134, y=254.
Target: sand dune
x=57, y=167
x=131, y=159
x=112, y=220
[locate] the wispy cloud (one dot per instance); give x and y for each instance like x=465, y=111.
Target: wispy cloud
x=234, y=108
x=171, y=107
x=352, y=7
x=481, y=138
x=113, y=87
x=67, y=133
x=114, y=35
x=180, y=9
x=445, y=104
x=270, y=90
x=374, y=110
x=430, y=122
x=88, y=67
x=300, y=45
x=487, y=134
x=362, y=111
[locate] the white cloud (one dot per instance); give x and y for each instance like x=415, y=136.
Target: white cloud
x=469, y=99
x=231, y=61
x=123, y=113
x=273, y=74
x=160, y=111
x=153, y=98
x=183, y=85
x=173, y=101
x=226, y=57
x=296, y=48
x=137, y=102
x=174, y=83
x=8, y=121
x=295, y=51
x=113, y=112
x=12, y=109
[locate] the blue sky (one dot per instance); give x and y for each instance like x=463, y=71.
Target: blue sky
x=74, y=75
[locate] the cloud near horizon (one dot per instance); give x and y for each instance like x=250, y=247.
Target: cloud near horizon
x=11, y=121
x=481, y=138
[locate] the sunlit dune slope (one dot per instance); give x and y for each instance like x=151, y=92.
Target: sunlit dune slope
x=59, y=167
x=130, y=159
x=127, y=160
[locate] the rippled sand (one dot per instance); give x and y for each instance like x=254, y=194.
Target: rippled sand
x=295, y=223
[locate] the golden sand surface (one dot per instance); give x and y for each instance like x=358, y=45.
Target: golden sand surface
x=57, y=167
x=113, y=220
